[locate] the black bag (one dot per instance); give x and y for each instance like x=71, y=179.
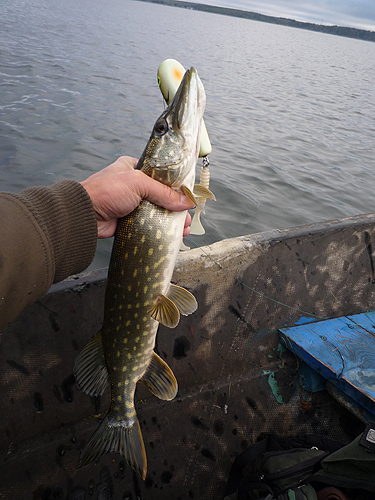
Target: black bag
x=295, y=468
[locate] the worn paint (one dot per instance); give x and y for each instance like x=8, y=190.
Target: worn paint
x=272, y=382
x=340, y=349
x=305, y=320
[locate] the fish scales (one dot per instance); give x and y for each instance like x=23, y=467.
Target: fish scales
x=139, y=294
x=145, y=243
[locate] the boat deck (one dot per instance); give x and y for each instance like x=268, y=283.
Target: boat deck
x=236, y=380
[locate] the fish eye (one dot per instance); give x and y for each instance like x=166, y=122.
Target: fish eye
x=161, y=127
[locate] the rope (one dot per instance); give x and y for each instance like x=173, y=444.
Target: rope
x=250, y=288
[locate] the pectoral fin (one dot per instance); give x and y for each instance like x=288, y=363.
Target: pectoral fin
x=159, y=379
x=191, y=197
x=90, y=370
x=203, y=192
x=183, y=299
x=165, y=311
x=199, y=192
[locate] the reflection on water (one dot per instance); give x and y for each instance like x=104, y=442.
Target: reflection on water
x=290, y=112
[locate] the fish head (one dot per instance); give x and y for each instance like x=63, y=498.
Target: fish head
x=172, y=151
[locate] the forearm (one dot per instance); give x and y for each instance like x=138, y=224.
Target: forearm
x=47, y=234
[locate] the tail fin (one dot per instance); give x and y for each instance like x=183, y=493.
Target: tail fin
x=115, y=436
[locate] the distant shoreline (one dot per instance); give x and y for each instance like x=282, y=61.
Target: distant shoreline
x=359, y=34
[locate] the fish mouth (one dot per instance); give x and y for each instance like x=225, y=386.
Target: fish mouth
x=184, y=116
x=187, y=100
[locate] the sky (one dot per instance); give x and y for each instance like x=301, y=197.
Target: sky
x=353, y=13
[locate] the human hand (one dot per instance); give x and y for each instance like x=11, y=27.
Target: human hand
x=118, y=189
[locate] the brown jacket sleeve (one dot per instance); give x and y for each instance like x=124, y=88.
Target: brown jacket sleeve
x=47, y=234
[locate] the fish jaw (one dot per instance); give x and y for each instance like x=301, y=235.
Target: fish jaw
x=173, y=148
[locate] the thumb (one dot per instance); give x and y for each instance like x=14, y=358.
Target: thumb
x=160, y=194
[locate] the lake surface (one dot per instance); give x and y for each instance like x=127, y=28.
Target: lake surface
x=290, y=113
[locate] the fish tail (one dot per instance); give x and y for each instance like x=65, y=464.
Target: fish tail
x=114, y=436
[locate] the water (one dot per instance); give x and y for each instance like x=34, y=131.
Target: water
x=290, y=112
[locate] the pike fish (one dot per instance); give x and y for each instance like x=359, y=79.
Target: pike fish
x=139, y=294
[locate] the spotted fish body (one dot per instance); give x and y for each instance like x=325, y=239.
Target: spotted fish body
x=139, y=294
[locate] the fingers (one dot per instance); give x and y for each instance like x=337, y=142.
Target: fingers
x=187, y=225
